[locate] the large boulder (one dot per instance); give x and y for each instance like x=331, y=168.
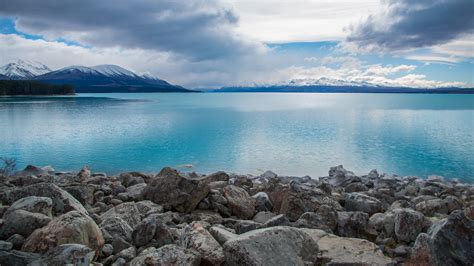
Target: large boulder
x=352, y=224
x=360, y=202
x=152, y=229
x=302, y=197
x=279, y=245
x=127, y=211
x=334, y=250
x=408, y=224
x=17, y=258
x=32, y=204
x=168, y=255
x=174, y=190
x=199, y=239
x=62, y=200
x=450, y=242
x=262, y=202
x=22, y=222
x=72, y=227
x=239, y=202
x=325, y=218
x=113, y=227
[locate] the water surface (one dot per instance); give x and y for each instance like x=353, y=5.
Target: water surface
x=293, y=134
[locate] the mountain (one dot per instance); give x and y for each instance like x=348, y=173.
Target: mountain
x=3, y=77
x=343, y=89
x=21, y=69
x=107, y=78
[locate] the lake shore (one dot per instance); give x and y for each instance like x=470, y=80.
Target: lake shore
x=54, y=218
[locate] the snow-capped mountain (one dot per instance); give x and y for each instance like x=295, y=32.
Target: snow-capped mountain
x=106, y=78
x=22, y=69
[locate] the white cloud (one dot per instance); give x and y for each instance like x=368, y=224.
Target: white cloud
x=278, y=21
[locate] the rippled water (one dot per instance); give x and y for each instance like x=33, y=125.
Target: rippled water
x=294, y=134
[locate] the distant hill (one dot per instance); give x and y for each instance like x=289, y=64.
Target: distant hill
x=344, y=89
x=28, y=87
x=101, y=78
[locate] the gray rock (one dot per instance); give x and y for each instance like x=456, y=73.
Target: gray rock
x=301, y=198
x=32, y=204
x=107, y=250
x=325, y=218
x=262, y=217
x=262, y=202
x=147, y=207
x=22, y=222
x=220, y=234
x=352, y=224
x=408, y=224
x=6, y=246
x=334, y=250
x=239, y=202
x=62, y=200
x=197, y=238
x=67, y=254
x=168, y=255
x=135, y=192
x=279, y=220
x=17, y=241
x=17, y=258
x=127, y=211
x=174, y=190
x=360, y=202
x=275, y=246
x=128, y=254
x=72, y=227
x=144, y=232
x=119, y=262
x=113, y=227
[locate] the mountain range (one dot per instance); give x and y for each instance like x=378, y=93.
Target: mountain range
x=101, y=78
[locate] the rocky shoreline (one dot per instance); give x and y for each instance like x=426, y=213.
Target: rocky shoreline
x=174, y=218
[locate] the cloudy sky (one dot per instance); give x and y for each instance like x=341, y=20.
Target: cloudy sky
x=213, y=43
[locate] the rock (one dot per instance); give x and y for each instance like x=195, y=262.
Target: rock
x=421, y=251
x=72, y=227
x=325, y=218
x=377, y=222
x=168, y=255
x=243, y=226
x=127, y=211
x=336, y=250
x=279, y=245
x=32, y=204
x=62, y=201
x=433, y=206
x=262, y=217
x=144, y=232
x=355, y=187
x=17, y=241
x=31, y=170
x=220, y=234
x=199, y=239
x=132, y=178
x=113, y=227
x=84, y=193
x=120, y=244
x=239, y=202
x=4, y=245
x=147, y=207
x=67, y=254
x=17, y=258
x=408, y=224
x=206, y=216
x=84, y=173
x=279, y=220
x=119, y=262
x=175, y=191
x=128, y=254
x=359, y=202
x=22, y=222
x=262, y=202
x=303, y=198
x=135, y=192
x=107, y=250
x=352, y=224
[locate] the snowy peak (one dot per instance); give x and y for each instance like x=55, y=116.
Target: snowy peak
x=22, y=69
x=114, y=70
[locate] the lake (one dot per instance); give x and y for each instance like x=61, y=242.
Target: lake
x=290, y=134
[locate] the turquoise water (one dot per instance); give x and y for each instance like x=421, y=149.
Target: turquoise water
x=292, y=134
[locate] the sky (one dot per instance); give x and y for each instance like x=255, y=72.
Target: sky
x=216, y=43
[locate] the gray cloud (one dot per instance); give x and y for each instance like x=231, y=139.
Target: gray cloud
x=406, y=24
x=197, y=29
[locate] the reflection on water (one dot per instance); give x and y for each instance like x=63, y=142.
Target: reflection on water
x=294, y=134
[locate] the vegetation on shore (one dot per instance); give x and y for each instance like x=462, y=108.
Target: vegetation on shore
x=28, y=87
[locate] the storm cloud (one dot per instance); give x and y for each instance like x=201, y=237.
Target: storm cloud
x=195, y=29
x=407, y=24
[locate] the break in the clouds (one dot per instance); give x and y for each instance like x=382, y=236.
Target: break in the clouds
x=198, y=29
x=408, y=24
